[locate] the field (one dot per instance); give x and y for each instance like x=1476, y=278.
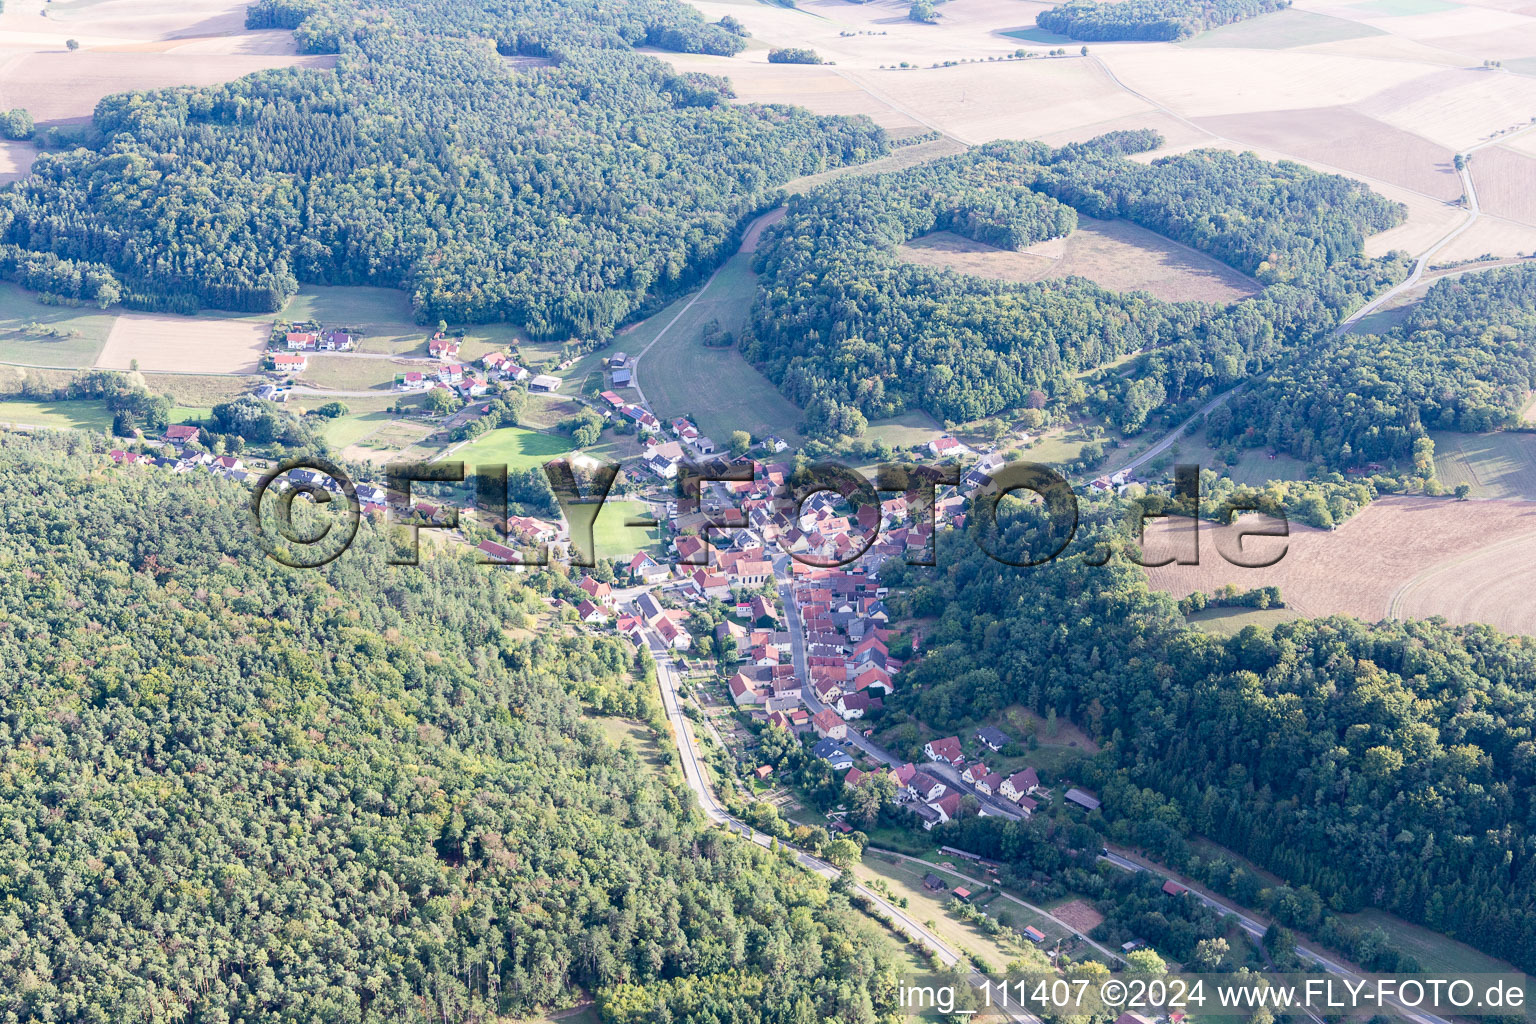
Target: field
x=1116, y=254
x=1435, y=952
x=1350, y=141
x=177, y=344
x=1283, y=30
x=904, y=431
x=1229, y=621
x=615, y=540
x=1080, y=914
x=15, y=160
x=1503, y=178
x=514, y=447
x=84, y=414
x=1253, y=468
x=1472, y=561
x=390, y=440
x=717, y=387
x=1495, y=465
x=342, y=372
x=33, y=333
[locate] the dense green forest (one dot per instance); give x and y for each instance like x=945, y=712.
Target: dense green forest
x=1464, y=360
x=1149, y=19
x=852, y=333
x=231, y=791
x=564, y=194
x=1389, y=765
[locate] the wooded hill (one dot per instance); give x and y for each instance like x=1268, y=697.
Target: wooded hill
x=1164, y=20
x=564, y=197
x=851, y=332
x=232, y=791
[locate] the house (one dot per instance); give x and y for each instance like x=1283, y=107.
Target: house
x=598, y=591
x=932, y=882
x=975, y=773
x=513, y=372
x=591, y=613
x=763, y=613
x=775, y=444
x=412, y=382
x=854, y=777
x=945, y=445
x=994, y=739
x=683, y=427
x=290, y=362
x=763, y=771
x=836, y=756
x=643, y=418
x=180, y=434
x=1020, y=784
x=1173, y=888
x=902, y=776
x=927, y=815
x=544, y=382
x=336, y=341
x=301, y=341
x=947, y=806
x=659, y=466
x=647, y=569
x=1083, y=799
x=989, y=783
x=441, y=346
x=712, y=585
x=673, y=635
x=857, y=705
x=946, y=749
x=925, y=787
x=743, y=691
x=612, y=399
x=828, y=725
x=1028, y=805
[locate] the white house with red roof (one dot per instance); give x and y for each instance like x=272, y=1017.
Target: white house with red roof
x=441, y=346
x=301, y=341
x=290, y=362
x=597, y=590
x=946, y=446
x=946, y=749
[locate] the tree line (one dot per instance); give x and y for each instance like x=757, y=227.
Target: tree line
x=1164, y=20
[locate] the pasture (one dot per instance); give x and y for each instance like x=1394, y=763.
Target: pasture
x=1501, y=464
x=33, y=333
x=1435, y=952
x=615, y=540
x=716, y=386
x=156, y=343
x=1282, y=30
x=1229, y=621
x=514, y=447
x=1469, y=561
x=80, y=414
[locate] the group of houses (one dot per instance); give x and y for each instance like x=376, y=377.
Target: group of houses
x=1020, y=788
x=465, y=379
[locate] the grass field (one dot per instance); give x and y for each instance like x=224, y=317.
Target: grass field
x=193, y=389
x=905, y=879
x=1228, y=621
x=626, y=730
x=904, y=431
x=717, y=387
x=1435, y=952
x=351, y=373
x=514, y=447
x=353, y=427
x=35, y=334
x=82, y=414
x=1283, y=30
x=1496, y=465
x=615, y=540
x=1254, y=467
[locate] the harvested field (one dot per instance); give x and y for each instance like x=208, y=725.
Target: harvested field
x=31, y=80
x=1504, y=180
x=1014, y=100
x=1360, y=568
x=897, y=159
x=1079, y=914
x=1116, y=254
x=1214, y=82
x=1490, y=235
x=1344, y=138
x=15, y=160
x=1456, y=108
x=1283, y=30
x=175, y=344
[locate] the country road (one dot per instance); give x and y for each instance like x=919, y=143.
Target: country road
x=693, y=772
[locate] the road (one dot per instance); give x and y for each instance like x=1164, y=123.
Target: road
x=693, y=773
x=1257, y=928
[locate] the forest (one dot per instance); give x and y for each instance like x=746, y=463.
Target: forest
x=1387, y=765
x=851, y=333
x=1465, y=359
x=565, y=196
x=230, y=791
x=1162, y=20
